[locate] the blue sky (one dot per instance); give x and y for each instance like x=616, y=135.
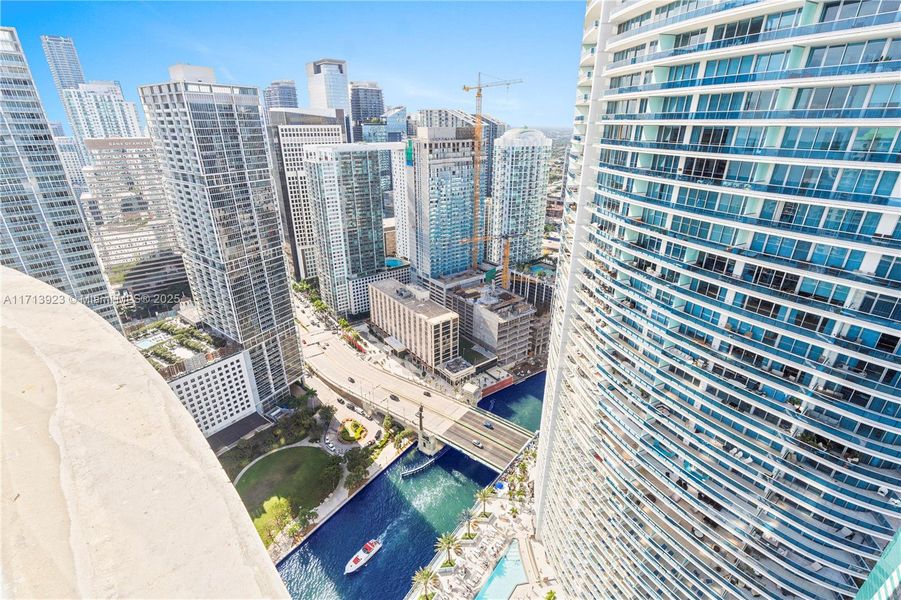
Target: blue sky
x=420, y=52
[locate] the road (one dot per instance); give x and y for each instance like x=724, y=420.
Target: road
x=450, y=420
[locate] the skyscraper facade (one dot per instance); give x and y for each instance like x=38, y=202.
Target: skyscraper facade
x=128, y=219
x=72, y=156
x=211, y=141
x=290, y=132
x=99, y=110
x=722, y=413
x=42, y=232
x=491, y=130
x=346, y=198
x=440, y=223
x=63, y=60
x=518, y=205
x=396, y=120
x=366, y=102
x=280, y=94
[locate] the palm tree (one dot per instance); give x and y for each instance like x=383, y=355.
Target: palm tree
x=551, y=595
x=448, y=542
x=425, y=577
x=483, y=496
x=469, y=518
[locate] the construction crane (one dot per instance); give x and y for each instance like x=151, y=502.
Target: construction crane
x=505, y=261
x=477, y=158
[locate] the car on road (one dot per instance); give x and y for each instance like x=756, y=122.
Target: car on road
x=427, y=394
x=370, y=443
x=378, y=434
x=394, y=397
x=351, y=408
x=478, y=444
x=488, y=425
x=340, y=400
x=351, y=379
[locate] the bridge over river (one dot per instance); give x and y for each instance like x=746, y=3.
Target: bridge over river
x=446, y=419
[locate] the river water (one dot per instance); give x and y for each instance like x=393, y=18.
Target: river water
x=407, y=515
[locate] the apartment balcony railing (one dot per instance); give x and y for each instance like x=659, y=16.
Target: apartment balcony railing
x=699, y=12
x=804, y=154
x=888, y=112
x=862, y=198
x=767, y=36
x=875, y=240
x=794, y=75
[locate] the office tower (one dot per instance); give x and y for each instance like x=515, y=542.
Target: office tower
x=491, y=129
x=346, y=198
x=396, y=120
x=327, y=85
x=439, y=230
x=71, y=155
x=366, y=102
x=722, y=413
x=63, y=60
x=211, y=141
x=56, y=129
x=280, y=94
x=290, y=131
x=42, y=233
x=521, y=162
x=99, y=110
x=128, y=219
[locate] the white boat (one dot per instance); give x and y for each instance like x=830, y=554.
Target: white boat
x=362, y=557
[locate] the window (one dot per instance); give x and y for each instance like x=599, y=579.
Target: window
x=682, y=72
x=850, y=9
x=690, y=38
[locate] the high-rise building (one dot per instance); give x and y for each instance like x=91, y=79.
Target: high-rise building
x=346, y=200
x=280, y=94
x=328, y=87
x=722, y=408
x=211, y=141
x=290, y=131
x=521, y=162
x=56, y=129
x=72, y=156
x=439, y=214
x=128, y=219
x=99, y=110
x=491, y=130
x=63, y=60
x=42, y=232
x=396, y=120
x=366, y=102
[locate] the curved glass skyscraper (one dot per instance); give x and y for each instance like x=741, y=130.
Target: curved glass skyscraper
x=723, y=390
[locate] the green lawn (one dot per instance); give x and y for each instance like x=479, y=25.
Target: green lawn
x=294, y=473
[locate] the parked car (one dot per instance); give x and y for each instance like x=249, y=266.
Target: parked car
x=351, y=379
x=477, y=444
x=394, y=397
x=378, y=434
x=340, y=400
x=370, y=442
x=351, y=408
x=488, y=425
x=427, y=394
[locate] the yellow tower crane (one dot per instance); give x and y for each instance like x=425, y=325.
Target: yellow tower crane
x=477, y=159
x=505, y=261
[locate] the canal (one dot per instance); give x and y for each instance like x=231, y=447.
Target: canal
x=407, y=515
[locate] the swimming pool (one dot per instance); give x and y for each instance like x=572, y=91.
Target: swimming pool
x=507, y=574
x=393, y=262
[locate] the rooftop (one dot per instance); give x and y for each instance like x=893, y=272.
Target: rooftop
x=413, y=298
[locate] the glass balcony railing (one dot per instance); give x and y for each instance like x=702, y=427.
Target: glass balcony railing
x=794, y=75
x=693, y=14
x=887, y=112
x=778, y=226
x=766, y=36
x=802, y=153
x=862, y=198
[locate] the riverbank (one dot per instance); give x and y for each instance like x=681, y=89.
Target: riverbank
x=284, y=545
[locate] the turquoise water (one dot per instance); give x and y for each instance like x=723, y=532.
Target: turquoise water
x=520, y=403
x=393, y=262
x=508, y=574
x=407, y=515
